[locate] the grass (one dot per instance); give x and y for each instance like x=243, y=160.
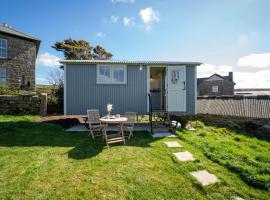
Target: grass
x=42, y=161
x=246, y=156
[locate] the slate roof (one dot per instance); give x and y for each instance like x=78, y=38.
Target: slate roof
x=200, y=80
x=6, y=30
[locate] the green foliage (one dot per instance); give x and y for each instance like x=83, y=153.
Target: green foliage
x=81, y=50
x=5, y=90
x=55, y=95
x=99, y=53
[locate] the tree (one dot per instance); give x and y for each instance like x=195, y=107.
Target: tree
x=55, y=99
x=81, y=50
x=99, y=53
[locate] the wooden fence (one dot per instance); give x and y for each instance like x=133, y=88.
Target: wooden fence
x=241, y=106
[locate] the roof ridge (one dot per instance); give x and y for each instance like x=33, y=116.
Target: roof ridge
x=26, y=35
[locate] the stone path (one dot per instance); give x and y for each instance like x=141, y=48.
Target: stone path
x=163, y=134
x=204, y=177
x=184, y=156
x=173, y=144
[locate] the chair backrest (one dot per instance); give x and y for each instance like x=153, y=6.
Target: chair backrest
x=93, y=115
x=131, y=117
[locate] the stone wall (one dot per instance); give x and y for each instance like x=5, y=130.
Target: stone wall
x=20, y=62
x=225, y=87
x=21, y=104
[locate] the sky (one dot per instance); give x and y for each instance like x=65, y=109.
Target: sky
x=225, y=35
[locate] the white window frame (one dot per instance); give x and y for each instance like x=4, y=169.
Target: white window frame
x=5, y=77
x=110, y=81
x=1, y=48
x=217, y=89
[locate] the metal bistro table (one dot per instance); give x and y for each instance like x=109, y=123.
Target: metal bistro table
x=114, y=138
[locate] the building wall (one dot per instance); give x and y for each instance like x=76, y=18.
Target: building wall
x=225, y=87
x=20, y=62
x=191, y=85
x=83, y=93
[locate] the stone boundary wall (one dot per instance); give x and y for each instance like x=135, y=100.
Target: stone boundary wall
x=23, y=104
x=240, y=106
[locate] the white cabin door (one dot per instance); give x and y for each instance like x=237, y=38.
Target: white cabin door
x=176, y=88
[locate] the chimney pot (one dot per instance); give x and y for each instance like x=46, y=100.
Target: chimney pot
x=231, y=76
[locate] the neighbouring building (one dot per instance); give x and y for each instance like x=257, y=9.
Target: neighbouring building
x=216, y=85
x=18, y=52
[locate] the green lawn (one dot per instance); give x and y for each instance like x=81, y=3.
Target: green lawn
x=42, y=161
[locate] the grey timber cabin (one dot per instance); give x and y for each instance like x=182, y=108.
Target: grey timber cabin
x=90, y=84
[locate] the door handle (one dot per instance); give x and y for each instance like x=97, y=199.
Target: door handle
x=184, y=82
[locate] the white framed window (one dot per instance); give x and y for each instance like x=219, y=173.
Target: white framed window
x=3, y=48
x=111, y=74
x=3, y=76
x=215, y=89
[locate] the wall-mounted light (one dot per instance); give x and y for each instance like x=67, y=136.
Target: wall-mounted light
x=140, y=67
x=151, y=78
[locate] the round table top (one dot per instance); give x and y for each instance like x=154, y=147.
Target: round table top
x=113, y=120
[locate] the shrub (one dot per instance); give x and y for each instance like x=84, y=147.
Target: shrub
x=5, y=90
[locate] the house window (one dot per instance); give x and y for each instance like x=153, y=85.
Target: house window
x=3, y=76
x=111, y=74
x=215, y=89
x=3, y=48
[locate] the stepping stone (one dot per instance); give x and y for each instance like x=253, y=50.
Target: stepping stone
x=184, y=156
x=173, y=144
x=237, y=198
x=164, y=134
x=78, y=128
x=204, y=177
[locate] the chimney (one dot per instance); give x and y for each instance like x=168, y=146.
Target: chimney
x=6, y=25
x=231, y=76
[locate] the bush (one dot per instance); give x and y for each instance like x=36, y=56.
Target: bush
x=5, y=90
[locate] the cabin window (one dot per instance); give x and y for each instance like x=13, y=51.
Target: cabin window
x=3, y=76
x=215, y=89
x=3, y=48
x=111, y=74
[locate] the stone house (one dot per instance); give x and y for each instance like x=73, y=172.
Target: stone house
x=216, y=85
x=18, y=52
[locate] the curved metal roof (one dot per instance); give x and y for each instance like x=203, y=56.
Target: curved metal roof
x=129, y=62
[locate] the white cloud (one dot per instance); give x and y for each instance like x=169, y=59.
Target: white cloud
x=101, y=35
x=259, y=79
x=48, y=60
x=206, y=70
x=148, y=16
x=128, y=21
x=114, y=19
x=243, y=39
x=255, y=60
x=123, y=1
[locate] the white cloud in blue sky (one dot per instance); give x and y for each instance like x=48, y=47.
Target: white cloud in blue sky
x=128, y=21
x=114, y=19
x=261, y=60
x=100, y=35
x=48, y=60
x=123, y=1
x=149, y=16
